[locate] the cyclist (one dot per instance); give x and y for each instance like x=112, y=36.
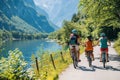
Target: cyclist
x=75, y=41
x=89, y=46
x=103, y=45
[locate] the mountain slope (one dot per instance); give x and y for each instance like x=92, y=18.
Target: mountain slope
x=21, y=15
x=58, y=10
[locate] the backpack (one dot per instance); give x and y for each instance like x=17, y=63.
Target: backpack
x=73, y=39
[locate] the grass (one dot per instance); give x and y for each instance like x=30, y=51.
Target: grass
x=46, y=69
x=117, y=46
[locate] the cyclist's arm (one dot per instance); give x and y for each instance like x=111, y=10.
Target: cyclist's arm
x=97, y=43
x=93, y=44
x=78, y=40
x=109, y=42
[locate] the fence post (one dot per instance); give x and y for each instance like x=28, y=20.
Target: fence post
x=62, y=56
x=37, y=65
x=52, y=61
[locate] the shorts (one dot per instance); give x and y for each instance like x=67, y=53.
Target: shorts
x=104, y=49
x=76, y=47
x=89, y=51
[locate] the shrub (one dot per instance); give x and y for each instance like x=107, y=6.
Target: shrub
x=13, y=67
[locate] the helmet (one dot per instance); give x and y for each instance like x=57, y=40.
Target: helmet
x=74, y=31
x=102, y=34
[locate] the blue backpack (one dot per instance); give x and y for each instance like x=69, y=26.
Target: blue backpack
x=73, y=40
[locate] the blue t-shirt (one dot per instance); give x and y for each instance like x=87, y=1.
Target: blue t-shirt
x=103, y=42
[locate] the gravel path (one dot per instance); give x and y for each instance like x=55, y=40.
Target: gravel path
x=84, y=72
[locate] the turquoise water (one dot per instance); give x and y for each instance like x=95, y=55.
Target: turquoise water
x=29, y=47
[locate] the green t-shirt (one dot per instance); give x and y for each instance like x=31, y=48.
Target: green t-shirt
x=103, y=42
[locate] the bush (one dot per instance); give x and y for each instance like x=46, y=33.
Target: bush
x=13, y=67
x=117, y=46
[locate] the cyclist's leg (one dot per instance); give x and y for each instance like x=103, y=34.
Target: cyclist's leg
x=92, y=55
x=100, y=55
x=86, y=53
x=107, y=55
x=78, y=52
x=70, y=48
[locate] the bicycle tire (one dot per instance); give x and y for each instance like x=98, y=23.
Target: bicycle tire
x=89, y=59
x=75, y=62
x=104, y=59
x=90, y=63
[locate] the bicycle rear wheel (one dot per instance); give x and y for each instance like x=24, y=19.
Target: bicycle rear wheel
x=75, y=62
x=104, y=64
x=90, y=62
x=104, y=59
x=89, y=58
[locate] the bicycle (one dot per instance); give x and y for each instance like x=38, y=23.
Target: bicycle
x=74, y=57
x=89, y=57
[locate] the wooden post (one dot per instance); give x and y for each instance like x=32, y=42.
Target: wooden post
x=52, y=61
x=37, y=65
x=62, y=56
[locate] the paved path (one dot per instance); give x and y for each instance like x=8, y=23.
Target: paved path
x=83, y=72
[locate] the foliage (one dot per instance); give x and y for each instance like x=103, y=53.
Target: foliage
x=99, y=14
x=13, y=67
x=117, y=44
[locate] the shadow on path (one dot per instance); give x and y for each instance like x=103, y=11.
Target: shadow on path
x=93, y=68
x=114, y=57
x=107, y=68
x=86, y=69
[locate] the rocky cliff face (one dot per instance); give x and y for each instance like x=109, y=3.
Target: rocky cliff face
x=21, y=15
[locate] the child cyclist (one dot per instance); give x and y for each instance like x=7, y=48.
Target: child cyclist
x=103, y=45
x=89, y=46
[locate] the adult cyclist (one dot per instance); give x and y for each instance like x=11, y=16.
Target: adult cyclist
x=103, y=45
x=75, y=41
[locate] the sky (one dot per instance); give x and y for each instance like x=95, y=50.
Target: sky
x=58, y=10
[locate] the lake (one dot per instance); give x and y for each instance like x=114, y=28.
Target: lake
x=29, y=47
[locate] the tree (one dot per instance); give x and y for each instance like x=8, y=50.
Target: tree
x=100, y=13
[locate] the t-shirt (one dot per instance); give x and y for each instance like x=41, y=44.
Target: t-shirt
x=73, y=39
x=88, y=45
x=103, y=42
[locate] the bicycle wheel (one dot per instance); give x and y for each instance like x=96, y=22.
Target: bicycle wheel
x=90, y=62
x=75, y=62
x=89, y=59
x=104, y=59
